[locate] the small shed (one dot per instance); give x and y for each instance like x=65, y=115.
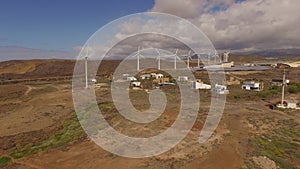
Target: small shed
x=136, y=84
x=130, y=78
x=183, y=78
x=289, y=104
x=200, y=85
x=94, y=80
x=161, y=80
x=158, y=76
x=220, y=89
x=251, y=85
x=153, y=74
x=125, y=74
x=278, y=82
x=145, y=76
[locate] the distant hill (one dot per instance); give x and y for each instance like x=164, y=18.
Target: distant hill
x=22, y=69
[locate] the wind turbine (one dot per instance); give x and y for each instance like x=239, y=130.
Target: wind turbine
x=215, y=56
x=138, y=55
x=226, y=56
x=199, y=57
x=188, y=58
x=171, y=55
x=283, y=85
x=86, y=69
x=175, y=58
x=158, y=58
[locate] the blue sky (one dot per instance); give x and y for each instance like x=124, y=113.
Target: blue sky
x=57, y=24
x=53, y=28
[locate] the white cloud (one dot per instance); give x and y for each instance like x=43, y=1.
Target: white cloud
x=249, y=25
x=257, y=24
x=189, y=8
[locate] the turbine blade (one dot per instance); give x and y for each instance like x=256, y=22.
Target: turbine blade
x=157, y=51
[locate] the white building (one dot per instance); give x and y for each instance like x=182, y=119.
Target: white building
x=97, y=85
x=251, y=85
x=126, y=74
x=130, y=78
x=183, y=78
x=136, y=84
x=294, y=64
x=200, y=85
x=220, y=89
x=159, y=75
x=279, y=82
x=145, y=76
x=94, y=80
x=289, y=104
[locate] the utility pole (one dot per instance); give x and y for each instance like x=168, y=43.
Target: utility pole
x=86, y=72
x=198, y=64
x=283, y=85
x=138, y=60
x=158, y=62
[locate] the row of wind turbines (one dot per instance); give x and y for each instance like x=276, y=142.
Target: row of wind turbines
x=158, y=58
x=188, y=57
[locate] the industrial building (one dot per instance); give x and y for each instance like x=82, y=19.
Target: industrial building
x=251, y=85
x=278, y=82
x=220, y=89
x=200, y=85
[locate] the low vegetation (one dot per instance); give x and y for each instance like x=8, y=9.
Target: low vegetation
x=282, y=145
x=294, y=88
x=269, y=92
x=4, y=161
x=71, y=131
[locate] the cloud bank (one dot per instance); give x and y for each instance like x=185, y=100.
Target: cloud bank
x=246, y=25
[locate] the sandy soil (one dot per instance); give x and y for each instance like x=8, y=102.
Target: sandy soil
x=37, y=111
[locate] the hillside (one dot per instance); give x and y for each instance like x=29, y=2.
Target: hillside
x=23, y=69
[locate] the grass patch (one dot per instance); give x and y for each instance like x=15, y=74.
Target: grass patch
x=280, y=145
x=71, y=131
x=44, y=90
x=4, y=161
x=270, y=91
x=294, y=88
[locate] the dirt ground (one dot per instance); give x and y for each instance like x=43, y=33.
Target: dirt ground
x=37, y=115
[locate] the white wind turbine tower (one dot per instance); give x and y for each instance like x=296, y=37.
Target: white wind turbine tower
x=188, y=58
x=226, y=56
x=208, y=56
x=138, y=55
x=198, y=61
x=158, y=58
x=171, y=55
x=86, y=68
x=216, y=56
x=175, y=59
x=283, y=85
x=199, y=58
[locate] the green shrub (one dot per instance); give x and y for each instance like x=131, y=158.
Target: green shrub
x=280, y=145
x=71, y=131
x=294, y=88
x=4, y=161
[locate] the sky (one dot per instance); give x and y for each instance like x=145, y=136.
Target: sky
x=58, y=28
